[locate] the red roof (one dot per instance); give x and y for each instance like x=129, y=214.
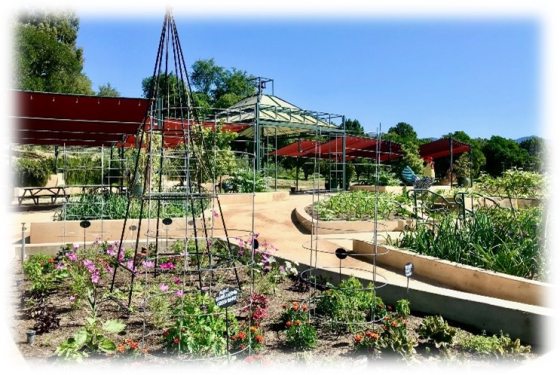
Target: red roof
x=299, y=148
x=355, y=147
x=57, y=119
x=443, y=148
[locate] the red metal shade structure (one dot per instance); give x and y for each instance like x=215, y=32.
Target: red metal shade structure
x=442, y=148
x=355, y=147
x=68, y=119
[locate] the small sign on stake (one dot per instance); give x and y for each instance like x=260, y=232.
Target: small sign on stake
x=227, y=297
x=408, y=269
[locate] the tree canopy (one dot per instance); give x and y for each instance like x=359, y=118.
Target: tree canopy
x=108, y=91
x=353, y=127
x=47, y=57
x=502, y=154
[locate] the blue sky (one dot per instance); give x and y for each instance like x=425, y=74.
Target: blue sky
x=439, y=75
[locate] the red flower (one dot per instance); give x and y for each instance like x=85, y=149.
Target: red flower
x=121, y=348
x=289, y=323
x=259, y=339
x=242, y=335
x=165, y=332
x=358, y=339
x=176, y=340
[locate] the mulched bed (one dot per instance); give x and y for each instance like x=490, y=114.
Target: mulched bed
x=331, y=348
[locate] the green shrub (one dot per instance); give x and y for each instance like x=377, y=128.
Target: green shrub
x=402, y=308
x=40, y=270
x=199, y=327
x=350, y=305
x=358, y=205
x=33, y=172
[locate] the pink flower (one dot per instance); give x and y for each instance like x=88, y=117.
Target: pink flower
x=148, y=264
x=72, y=257
x=163, y=287
x=167, y=266
x=59, y=266
x=177, y=280
x=130, y=265
x=179, y=293
x=215, y=213
x=111, y=251
x=75, y=246
x=72, y=298
x=95, y=277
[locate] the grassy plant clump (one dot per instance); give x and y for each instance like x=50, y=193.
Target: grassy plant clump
x=358, y=205
x=495, y=239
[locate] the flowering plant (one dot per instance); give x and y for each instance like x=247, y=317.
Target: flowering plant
x=300, y=334
x=247, y=337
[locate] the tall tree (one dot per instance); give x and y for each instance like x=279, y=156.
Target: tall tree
x=535, y=147
x=502, y=154
x=478, y=158
x=108, y=90
x=353, y=127
x=402, y=133
x=47, y=57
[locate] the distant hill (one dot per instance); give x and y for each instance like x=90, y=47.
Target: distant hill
x=522, y=139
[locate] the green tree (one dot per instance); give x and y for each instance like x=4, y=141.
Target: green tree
x=233, y=86
x=535, y=147
x=108, y=91
x=206, y=76
x=478, y=158
x=47, y=57
x=502, y=154
x=170, y=88
x=402, y=133
x=353, y=127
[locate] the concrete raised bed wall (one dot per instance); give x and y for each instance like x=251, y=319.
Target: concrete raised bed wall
x=339, y=226
x=460, y=277
x=110, y=230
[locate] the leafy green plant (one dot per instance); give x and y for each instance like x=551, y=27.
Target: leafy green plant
x=350, y=304
x=402, y=308
x=113, y=206
x=434, y=329
x=358, y=205
x=40, y=270
x=245, y=181
x=93, y=337
x=199, y=327
x=390, y=336
x=497, y=346
x=300, y=334
x=514, y=183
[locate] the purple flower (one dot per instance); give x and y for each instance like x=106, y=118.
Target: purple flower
x=111, y=251
x=179, y=293
x=59, y=266
x=72, y=298
x=167, y=266
x=72, y=256
x=130, y=265
x=215, y=213
x=90, y=265
x=177, y=280
x=109, y=269
x=163, y=287
x=148, y=264
x=95, y=277
x=75, y=246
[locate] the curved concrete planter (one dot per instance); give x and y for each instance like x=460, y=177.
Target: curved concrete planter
x=340, y=226
x=458, y=276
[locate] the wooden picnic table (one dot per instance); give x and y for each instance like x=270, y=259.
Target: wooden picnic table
x=36, y=193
